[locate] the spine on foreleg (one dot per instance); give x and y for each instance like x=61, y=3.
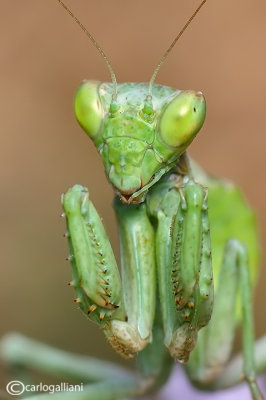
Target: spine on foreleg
x=191, y=269
x=96, y=278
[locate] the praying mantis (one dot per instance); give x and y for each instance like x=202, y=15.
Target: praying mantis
x=162, y=209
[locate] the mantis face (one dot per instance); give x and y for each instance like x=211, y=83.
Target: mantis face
x=138, y=138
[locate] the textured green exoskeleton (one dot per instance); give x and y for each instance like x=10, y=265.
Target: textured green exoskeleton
x=137, y=150
x=183, y=236
x=188, y=243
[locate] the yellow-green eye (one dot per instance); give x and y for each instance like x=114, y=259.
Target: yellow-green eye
x=182, y=119
x=88, y=108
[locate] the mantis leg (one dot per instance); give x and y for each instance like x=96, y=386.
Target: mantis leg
x=106, y=380
x=138, y=276
x=17, y=350
x=183, y=261
x=215, y=341
x=234, y=369
x=125, y=311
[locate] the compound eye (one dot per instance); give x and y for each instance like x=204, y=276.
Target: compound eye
x=182, y=119
x=88, y=108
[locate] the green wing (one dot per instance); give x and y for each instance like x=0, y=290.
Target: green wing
x=230, y=218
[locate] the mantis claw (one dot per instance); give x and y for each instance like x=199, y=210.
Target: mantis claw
x=96, y=277
x=94, y=267
x=184, y=262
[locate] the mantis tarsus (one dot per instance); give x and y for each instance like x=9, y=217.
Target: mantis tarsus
x=164, y=221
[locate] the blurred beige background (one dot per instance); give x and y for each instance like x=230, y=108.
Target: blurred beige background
x=44, y=57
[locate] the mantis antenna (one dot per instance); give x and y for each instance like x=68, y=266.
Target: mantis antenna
x=162, y=60
x=98, y=47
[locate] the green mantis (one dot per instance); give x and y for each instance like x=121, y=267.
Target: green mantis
x=188, y=244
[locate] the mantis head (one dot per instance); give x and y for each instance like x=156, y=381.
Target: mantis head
x=140, y=130
x=139, y=137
